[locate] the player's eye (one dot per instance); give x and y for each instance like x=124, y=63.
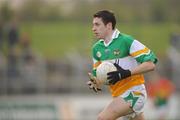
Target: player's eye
x=96, y=24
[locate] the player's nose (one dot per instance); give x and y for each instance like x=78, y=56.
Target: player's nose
x=93, y=29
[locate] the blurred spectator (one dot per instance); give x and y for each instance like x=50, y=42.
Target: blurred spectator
x=160, y=90
x=175, y=41
x=31, y=67
x=12, y=34
x=26, y=50
x=172, y=65
x=12, y=71
x=12, y=41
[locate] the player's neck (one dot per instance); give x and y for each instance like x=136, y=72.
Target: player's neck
x=108, y=38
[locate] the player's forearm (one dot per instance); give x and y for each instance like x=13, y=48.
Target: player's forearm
x=143, y=68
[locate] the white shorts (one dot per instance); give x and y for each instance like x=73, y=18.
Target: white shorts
x=137, y=96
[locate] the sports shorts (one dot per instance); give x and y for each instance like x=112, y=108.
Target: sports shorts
x=137, y=97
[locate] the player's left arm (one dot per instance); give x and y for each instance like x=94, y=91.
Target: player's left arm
x=144, y=56
x=143, y=68
x=121, y=73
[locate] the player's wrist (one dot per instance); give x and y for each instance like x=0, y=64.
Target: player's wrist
x=124, y=74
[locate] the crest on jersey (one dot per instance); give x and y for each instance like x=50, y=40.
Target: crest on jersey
x=98, y=54
x=116, y=52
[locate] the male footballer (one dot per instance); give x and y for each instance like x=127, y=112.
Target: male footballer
x=131, y=58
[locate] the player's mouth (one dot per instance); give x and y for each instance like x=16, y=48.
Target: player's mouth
x=96, y=34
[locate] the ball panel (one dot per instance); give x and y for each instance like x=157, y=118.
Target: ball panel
x=103, y=69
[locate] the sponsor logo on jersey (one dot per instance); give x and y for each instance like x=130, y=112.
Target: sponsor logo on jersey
x=107, y=51
x=116, y=52
x=98, y=54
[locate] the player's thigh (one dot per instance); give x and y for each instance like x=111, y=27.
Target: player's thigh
x=117, y=108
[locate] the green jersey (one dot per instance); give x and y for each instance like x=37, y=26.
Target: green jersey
x=125, y=51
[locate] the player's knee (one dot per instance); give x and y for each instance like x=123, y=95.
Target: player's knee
x=103, y=117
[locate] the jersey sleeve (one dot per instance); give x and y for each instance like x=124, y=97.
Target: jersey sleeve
x=141, y=53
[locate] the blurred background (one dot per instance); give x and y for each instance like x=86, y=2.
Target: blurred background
x=45, y=54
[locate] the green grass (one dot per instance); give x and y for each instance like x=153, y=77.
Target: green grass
x=55, y=39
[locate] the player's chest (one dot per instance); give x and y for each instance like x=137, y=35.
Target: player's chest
x=112, y=52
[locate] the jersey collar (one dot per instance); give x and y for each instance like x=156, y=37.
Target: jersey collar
x=114, y=36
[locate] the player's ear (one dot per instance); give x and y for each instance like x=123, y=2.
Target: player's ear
x=109, y=25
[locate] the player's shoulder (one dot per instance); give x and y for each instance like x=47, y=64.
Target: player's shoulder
x=125, y=36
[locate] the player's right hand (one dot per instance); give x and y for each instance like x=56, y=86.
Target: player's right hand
x=92, y=83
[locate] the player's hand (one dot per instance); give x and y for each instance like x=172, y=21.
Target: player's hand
x=115, y=76
x=93, y=83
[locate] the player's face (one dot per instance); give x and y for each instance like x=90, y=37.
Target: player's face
x=99, y=29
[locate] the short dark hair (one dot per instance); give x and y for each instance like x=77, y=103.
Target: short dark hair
x=107, y=16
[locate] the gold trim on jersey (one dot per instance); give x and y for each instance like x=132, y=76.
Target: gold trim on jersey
x=123, y=85
x=143, y=51
x=95, y=65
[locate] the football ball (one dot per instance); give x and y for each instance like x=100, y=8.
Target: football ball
x=103, y=69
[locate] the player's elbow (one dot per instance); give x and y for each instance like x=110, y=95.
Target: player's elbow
x=151, y=66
